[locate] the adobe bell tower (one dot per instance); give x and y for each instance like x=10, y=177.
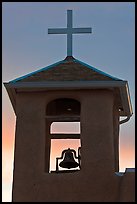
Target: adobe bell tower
x=70, y=91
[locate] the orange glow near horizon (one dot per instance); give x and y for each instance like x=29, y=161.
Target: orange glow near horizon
x=57, y=146
x=126, y=158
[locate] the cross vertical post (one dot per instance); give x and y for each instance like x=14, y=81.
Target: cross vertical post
x=69, y=35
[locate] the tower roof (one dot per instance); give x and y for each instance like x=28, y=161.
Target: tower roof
x=69, y=69
x=69, y=74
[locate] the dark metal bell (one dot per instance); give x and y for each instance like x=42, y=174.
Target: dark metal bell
x=68, y=161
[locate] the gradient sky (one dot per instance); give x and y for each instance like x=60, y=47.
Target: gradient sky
x=26, y=47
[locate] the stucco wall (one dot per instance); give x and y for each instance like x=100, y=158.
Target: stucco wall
x=96, y=181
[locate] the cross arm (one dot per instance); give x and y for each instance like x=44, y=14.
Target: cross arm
x=57, y=31
x=81, y=30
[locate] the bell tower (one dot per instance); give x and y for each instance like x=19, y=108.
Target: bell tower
x=69, y=91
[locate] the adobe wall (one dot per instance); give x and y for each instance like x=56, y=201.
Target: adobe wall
x=96, y=181
x=127, y=187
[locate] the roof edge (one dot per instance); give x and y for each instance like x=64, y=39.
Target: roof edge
x=69, y=85
x=42, y=69
x=55, y=84
x=97, y=70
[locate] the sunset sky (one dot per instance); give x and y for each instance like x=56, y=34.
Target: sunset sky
x=27, y=47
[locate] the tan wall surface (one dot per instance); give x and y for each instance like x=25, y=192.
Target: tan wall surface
x=96, y=181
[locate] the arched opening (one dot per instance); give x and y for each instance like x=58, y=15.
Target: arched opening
x=62, y=131
x=63, y=106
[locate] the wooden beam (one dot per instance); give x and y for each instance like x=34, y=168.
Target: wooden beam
x=65, y=136
x=67, y=118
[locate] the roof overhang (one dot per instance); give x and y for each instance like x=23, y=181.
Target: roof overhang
x=13, y=88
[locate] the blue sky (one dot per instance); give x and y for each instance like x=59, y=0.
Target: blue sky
x=27, y=46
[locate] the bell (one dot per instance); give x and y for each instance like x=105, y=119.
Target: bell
x=68, y=161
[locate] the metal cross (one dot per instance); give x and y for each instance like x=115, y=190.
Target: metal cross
x=69, y=31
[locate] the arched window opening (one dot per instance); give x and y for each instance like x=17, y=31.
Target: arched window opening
x=64, y=106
